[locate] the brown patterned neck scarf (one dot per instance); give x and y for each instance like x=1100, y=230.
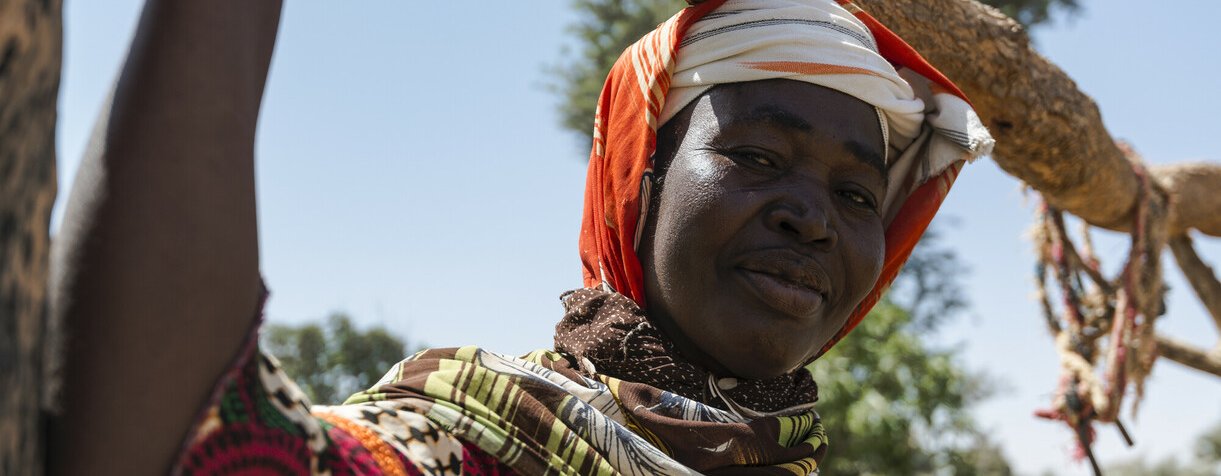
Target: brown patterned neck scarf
x=616, y=336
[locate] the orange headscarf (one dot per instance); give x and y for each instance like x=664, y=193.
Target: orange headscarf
x=625, y=136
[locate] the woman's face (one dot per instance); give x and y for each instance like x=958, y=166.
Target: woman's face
x=768, y=230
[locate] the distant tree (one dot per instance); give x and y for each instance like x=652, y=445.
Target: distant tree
x=1033, y=13
x=893, y=404
x=333, y=360
x=603, y=30
x=1208, y=446
x=1207, y=460
x=928, y=287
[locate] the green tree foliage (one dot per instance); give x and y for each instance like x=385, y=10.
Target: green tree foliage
x=893, y=404
x=604, y=28
x=1033, y=13
x=333, y=360
x=928, y=287
x=1207, y=461
x=1208, y=446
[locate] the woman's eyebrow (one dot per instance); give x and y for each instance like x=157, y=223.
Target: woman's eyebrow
x=774, y=115
x=868, y=155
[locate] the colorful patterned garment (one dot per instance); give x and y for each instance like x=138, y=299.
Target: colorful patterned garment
x=469, y=411
x=615, y=398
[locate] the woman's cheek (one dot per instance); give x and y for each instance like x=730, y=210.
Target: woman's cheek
x=701, y=193
x=869, y=250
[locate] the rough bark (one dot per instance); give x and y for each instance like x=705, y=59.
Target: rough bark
x=31, y=36
x=1048, y=133
x=1194, y=200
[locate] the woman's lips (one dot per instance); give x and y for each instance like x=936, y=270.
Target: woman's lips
x=788, y=297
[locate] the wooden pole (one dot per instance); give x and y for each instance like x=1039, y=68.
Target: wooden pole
x=31, y=43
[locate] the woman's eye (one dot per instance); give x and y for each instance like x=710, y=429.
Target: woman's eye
x=753, y=158
x=858, y=198
x=764, y=161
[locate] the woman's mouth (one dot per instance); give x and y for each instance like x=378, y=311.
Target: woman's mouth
x=782, y=294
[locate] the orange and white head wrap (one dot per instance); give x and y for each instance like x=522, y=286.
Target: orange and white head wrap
x=929, y=126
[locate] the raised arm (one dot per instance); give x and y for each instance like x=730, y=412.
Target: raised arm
x=155, y=269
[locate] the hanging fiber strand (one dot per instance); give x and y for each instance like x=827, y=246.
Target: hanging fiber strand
x=1103, y=329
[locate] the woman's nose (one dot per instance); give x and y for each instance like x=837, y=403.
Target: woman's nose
x=805, y=221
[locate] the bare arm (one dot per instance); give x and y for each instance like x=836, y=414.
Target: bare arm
x=155, y=270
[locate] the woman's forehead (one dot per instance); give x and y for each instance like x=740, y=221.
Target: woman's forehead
x=792, y=106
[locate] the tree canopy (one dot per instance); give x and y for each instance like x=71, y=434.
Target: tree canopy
x=1206, y=462
x=1033, y=13
x=892, y=404
x=333, y=360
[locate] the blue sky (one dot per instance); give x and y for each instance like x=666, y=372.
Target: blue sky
x=412, y=173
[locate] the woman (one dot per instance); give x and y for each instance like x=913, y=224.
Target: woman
x=760, y=171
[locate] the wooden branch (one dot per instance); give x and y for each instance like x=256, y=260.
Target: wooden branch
x=1194, y=198
x=1048, y=133
x=31, y=39
x=1203, y=281
x=1186, y=354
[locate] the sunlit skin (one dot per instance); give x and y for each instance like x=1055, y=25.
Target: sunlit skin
x=767, y=231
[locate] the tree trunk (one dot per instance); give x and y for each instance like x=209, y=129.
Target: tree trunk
x=31, y=40
x=1048, y=133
